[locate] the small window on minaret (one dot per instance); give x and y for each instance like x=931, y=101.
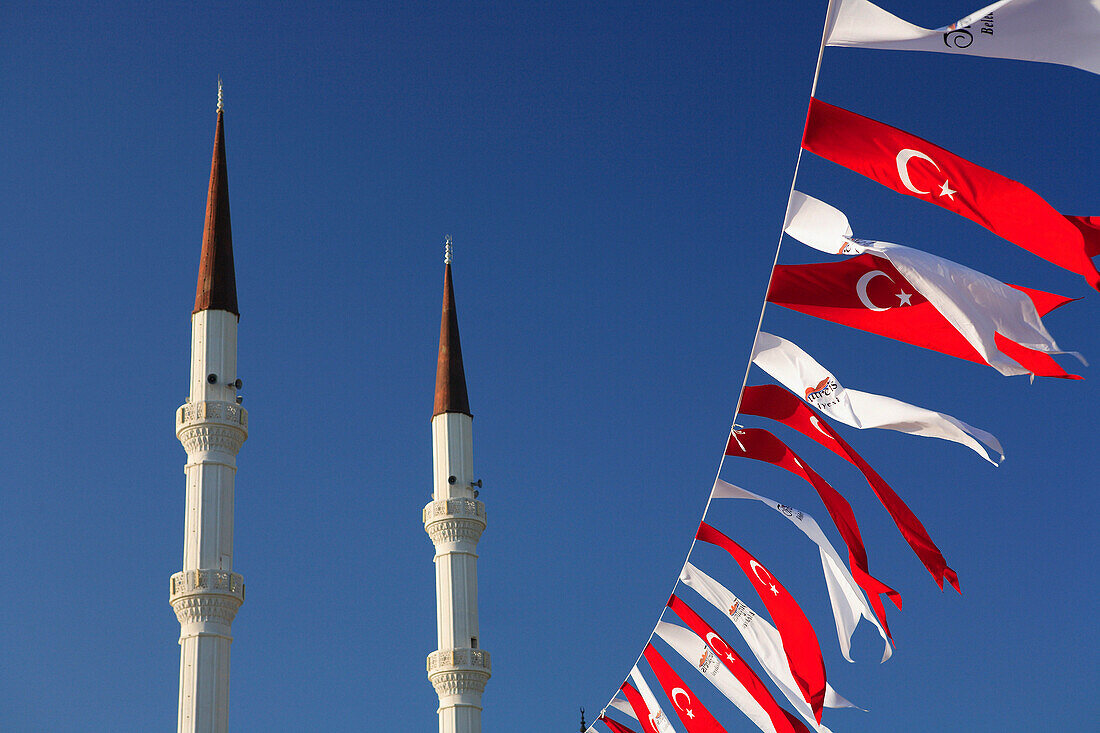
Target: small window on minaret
x=473, y=642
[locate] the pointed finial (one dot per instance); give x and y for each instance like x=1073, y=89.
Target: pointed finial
x=584, y=726
x=219, y=93
x=447, y=251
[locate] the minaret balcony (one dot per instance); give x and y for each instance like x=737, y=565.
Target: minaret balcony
x=454, y=671
x=206, y=599
x=212, y=426
x=454, y=520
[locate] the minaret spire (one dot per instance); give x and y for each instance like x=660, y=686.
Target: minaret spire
x=454, y=519
x=450, y=377
x=217, y=286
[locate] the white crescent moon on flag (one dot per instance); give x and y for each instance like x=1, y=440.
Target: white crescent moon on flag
x=861, y=288
x=903, y=168
x=817, y=424
x=679, y=691
x=756, y=568
x=714, y=646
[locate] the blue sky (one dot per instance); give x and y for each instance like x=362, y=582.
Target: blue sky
x=614, y=176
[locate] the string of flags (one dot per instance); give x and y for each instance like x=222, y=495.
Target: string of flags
x=895, y=291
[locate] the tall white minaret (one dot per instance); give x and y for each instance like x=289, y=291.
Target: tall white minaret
x=454, y=519
x=212, y=426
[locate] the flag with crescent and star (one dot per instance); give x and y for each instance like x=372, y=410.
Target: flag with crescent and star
x=847, y=600
x=917, y=168
x=775, y=403
x=695, y=717
x=868, y=293
x=761, y=445
x=800, y=644
x=763, y=640
x=716, y=660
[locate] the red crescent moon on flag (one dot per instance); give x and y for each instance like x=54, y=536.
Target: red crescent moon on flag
x=756, y=568
x=861, y=288
x=903, y=168
x=679, y=691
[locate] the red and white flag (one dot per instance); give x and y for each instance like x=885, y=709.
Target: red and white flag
x=646, y=707
x=916, y=167
x=775, y=403
x=692, y=713
x=761, y=445
x=845, y=597
x=801, y=374
x=762, y=639
x=728, y=672
x=615, y=726
x=867, y=292
x=979, y=307
x=800, y=644
x=1055, y=31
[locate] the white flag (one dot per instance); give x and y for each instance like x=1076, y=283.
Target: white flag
x=657, y=717
x=846, y=598
x=1055, y=31
x=624, y=707
x=762, y=638
x=796, y=370
x=976, y=305
x=698, y=653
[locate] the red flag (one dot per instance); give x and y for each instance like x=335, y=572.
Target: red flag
x=916, y=167
x=774, y=402
x=695, y=717
x=868, y=293
x=641, y=710
x=799, y=640
x=782, y=720
x=615, y=726
x=763, y=446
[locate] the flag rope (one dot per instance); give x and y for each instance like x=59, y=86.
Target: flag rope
x=748, y=366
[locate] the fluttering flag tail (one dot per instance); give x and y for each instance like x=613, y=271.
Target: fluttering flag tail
x=1053, y=31
x=915, y=167
x=761, y=445
x=646, y=708
x=724, y=668
x=800, y=645
x=799, y=372
x=868, y=293
x=615, y=726
x=775, y=403
x=763, y=639
x=845, y=597
x=695, y=717
x=977, y=306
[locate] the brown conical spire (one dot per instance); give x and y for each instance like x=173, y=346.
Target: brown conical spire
x=450, y=378
x=217, y=287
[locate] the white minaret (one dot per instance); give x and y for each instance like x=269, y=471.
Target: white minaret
x=454, y=519
x=212, y=426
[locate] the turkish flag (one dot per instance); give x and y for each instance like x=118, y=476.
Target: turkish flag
x=763, y=446
x=867, y=292
x=695, y=717
x=781, y=720
x=774, y=402
x=800, y=643
x=645, y=716
x=615, y=726
x=916, y=167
